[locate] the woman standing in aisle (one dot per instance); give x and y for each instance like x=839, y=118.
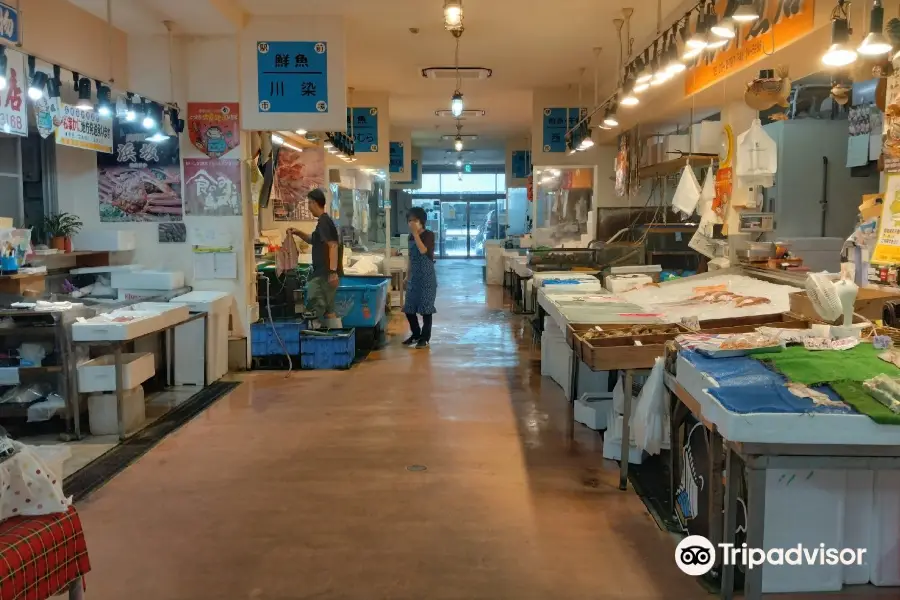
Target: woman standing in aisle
x=421, y=287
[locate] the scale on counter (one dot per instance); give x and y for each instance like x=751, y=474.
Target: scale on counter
x=760, y=222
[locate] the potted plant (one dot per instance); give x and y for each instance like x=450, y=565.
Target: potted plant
x=60, y=228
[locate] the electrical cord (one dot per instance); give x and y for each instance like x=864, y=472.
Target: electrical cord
x=272, y=324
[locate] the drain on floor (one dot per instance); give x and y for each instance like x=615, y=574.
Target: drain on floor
x=415, y=468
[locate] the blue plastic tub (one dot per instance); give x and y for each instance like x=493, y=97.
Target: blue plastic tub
x=335, y=349
x=360, y=300
x=264, y=343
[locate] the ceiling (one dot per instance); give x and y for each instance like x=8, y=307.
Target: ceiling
x=526, y=45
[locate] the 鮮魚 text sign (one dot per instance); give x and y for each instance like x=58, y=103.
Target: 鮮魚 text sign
x=292, y=77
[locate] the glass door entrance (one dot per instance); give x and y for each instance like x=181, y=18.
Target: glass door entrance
x=465, y=227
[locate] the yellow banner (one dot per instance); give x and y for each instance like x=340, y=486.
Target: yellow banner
x=887, y=248
x=782, y=22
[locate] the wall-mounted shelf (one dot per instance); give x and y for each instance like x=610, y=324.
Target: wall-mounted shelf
x=674, y=165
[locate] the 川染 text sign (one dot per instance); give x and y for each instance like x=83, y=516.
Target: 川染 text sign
x=292, y=77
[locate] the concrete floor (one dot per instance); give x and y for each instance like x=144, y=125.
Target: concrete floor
x=300, y=488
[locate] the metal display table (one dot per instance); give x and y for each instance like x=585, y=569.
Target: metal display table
x=756, y=459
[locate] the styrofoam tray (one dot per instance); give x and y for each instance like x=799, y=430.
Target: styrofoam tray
x=100, y=329
x=147, y=280
x=99, y=375
x=107, y=269
x=797, y=428
x=171, y=313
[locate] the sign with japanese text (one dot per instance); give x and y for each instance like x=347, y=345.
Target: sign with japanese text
x=397, y=156
x=13, y=111
x=214, y=127
x=292, y=77
x=140, y=180
x=887, y=248
x=414, y=169
x=521, y=164
x=782, y=22
x=212, y=187
x=9, y=23
x=557, y=121
x=363, y=122
x=84, y=129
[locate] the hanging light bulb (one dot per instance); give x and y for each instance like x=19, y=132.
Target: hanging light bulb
x=713, y=41
x=586, y=143
x=724, y=28
x=839, y=54
x=698, y=40
x=300, y=132
x=746, y=12
x=130, y=113
x=4, y=62
x=456, y=104
x=458, y=144
x=875, y=43
x=83, y=85
x=157, y=137
x=673, y=63
x=149, y=120
x=104, y=102
x=610, y=119
x=459, y=163
x=628, y=95
x=645, y=74
x=38, y=81
x=453, y=15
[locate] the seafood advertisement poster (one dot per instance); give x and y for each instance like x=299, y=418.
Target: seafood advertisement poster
x=214, y=127
x=141, y=180
x=212, y=187
x=297, y=174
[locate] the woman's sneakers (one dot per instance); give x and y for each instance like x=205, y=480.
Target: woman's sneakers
x=411, y=341
x=422, y=344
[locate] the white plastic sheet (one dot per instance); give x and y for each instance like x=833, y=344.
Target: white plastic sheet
x=648, y=420
x=687, y=194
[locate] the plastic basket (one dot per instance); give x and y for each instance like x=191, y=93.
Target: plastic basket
x=264, y=343
x=360, y=301
x=335, y=349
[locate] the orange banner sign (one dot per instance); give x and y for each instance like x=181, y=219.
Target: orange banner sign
x=782, y=22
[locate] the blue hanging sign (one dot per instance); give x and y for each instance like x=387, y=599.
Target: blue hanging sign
x=292, y=77
x=414, y=169
x=364, y=123
x=556, y=125
x=9, y=23
x=396, y=156
x=521, y=164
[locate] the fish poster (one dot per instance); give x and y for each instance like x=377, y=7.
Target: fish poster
x=214, y=127
x=212, y=187
x=140, y=180
x=297, y=174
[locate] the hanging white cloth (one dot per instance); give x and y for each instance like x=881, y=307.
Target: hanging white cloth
x=687, y=194
x=757, y=157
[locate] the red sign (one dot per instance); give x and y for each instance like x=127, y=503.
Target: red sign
x=723, y=191
x=214, y=127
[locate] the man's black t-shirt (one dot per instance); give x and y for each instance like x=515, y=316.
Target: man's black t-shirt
x=325, y=232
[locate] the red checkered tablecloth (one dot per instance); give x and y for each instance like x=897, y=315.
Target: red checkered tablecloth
x=41, y=556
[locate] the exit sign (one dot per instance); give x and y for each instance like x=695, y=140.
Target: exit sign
x=468, y=168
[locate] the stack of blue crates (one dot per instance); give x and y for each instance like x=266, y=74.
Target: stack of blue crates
x=264, y=343
x=332, y=349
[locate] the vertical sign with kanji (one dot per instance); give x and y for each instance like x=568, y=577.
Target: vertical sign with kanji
x=397, y=157
x=557, y=121
x=521, y=164
x=13, y=114
x=363, y=122
x=9, y=23
x=292, y=77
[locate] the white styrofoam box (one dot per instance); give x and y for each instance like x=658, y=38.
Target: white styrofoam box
x=189, y=338
x=103, y=414
x=98, y=329
x=623, y=283
x=614, y=422
x=859, y=519
x=645, y=269
x=139, y=295
x=612, y=450
x=171, y=313
x=99, y=375
x=304, y=259
x=104, y=240
x=674, y=144
x=592, y=412
x=107, y=269
x=706, y=137
x=807, y=507
x=884, y=545
x=147, y=280
x=9, y=375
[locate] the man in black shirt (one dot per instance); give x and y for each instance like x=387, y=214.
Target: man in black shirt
x=327, y=262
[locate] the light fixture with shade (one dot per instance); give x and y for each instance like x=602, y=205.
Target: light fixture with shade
x=453, y=15
x=724, y=28
x=586, y=143
x=629, y=97
x=149, y=120
x=644, y=73
x=875, y=43
x=698, y=40
x=840, y=53
x=38, y=80
x=4, y=63
x=104, y=100
x=458, y=144
x=713, y=41
x=83, y=87
x=746, y=12
x=130, y=113
x=456, y=104
x=674, y=65
x=54, y=84
x=300, y=132
x=158, y=137
x=610, y=119
x=459, y=163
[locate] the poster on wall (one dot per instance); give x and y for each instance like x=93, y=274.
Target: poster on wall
x=214, y=127
x=140, y=180
x=47, y=116
x=172, y=233
x=363, y=122
x=396, y=157
x=84, y=129
x=13, y=111
x=297, y=174
x=212, y=187
x=557, y=121
x=521, y=164
x=292, y=77
x=887, y=249
x=9, y=23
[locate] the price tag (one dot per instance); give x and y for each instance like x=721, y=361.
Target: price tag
x=844, y=344
x=813, y=343
x=692, y=323
x=708, y=289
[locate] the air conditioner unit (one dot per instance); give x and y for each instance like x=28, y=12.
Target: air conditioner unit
x=454, y=73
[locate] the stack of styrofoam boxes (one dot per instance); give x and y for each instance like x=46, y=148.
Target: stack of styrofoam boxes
x=139, y=285
x=704, y=138
x=592, y=410
x=556, y=363
x=652, y=151
x=612, y=439
x=98, y=378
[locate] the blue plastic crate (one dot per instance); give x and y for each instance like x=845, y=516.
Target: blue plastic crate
x=264, y=343
x=360, y=300
x=335, y=349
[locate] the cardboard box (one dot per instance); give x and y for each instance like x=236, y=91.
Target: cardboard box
x=869, y=303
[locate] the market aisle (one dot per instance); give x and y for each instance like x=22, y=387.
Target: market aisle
x=299, y=488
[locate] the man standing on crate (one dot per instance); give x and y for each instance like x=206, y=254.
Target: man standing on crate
x=327, y=264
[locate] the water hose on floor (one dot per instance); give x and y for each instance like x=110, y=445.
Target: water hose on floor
x=272, y=324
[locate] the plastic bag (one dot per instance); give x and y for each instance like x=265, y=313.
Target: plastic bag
x=26, y=394
x=687, y=194
x=46, y=409
x=29, y=485
x=707, y=194
x=619, y=395
x=648, y=419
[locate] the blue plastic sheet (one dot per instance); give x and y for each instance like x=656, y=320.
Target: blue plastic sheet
x=747, y=386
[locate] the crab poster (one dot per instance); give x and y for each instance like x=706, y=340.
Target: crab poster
x=140, y=180
x=214, y=127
